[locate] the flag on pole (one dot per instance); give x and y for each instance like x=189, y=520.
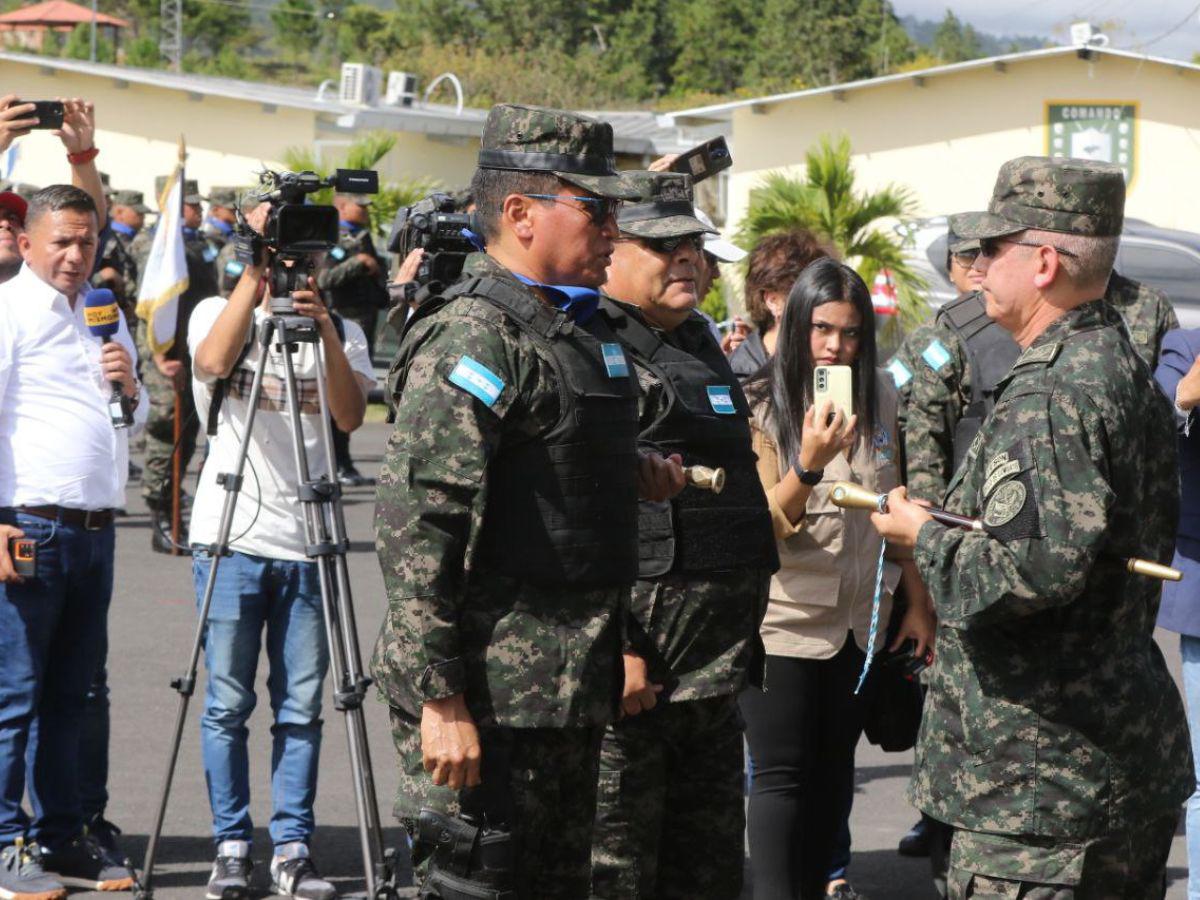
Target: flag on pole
x=8, y=162
x=166, y=275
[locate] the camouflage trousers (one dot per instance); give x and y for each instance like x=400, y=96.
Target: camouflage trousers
x=540, y=781
x=160, y=431
x=670, y=814
x=1130, y=865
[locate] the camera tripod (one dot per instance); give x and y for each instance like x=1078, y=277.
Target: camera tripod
x=325, y=533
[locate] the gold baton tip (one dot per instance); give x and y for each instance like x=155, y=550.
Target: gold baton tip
x=705, y=478
x=848, y=495
x=1153, y=570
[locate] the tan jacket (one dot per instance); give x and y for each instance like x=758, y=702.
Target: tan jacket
x=826, y=580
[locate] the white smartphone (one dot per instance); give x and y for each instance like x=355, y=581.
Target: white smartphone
x=835, y=384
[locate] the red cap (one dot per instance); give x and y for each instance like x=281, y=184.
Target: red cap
x=14, y=203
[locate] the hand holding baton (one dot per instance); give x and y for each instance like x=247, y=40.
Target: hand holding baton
x=848, y=495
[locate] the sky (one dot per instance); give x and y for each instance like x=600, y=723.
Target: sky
x=1142, y=21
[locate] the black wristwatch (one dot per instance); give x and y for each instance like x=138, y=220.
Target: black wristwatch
x=807, y=476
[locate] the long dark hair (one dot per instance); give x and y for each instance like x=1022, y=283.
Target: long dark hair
x=789, y=373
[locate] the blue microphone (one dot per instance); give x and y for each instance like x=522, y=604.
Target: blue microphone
x=103, y=318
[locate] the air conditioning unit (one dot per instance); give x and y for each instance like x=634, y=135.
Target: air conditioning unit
x=360, y=84
x=401, y=89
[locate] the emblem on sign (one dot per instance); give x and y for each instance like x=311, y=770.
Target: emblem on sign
x=1086, y=129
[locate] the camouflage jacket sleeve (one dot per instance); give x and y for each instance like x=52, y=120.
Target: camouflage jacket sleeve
x=343, y=267
x=430, y=500
x=935, y=405
x=1041, y=468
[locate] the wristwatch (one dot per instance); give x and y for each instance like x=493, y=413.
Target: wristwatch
x=807, y=476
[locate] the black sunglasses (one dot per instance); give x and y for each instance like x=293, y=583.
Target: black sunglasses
x=966, y=258
x=666, y=245
x=989, y=247
x=598, y=209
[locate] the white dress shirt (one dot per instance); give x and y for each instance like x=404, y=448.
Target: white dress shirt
x=57, y=442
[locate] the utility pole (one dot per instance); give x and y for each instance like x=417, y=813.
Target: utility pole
x=92, y=50
x=170, y=41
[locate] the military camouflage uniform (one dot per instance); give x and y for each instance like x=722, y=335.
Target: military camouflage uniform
x=903, y=367
x=355, y=292
x=539, y=666
x=940, y=394
x=1053, y=735
x=670, y=816
x=115, y=253
x=160, y=425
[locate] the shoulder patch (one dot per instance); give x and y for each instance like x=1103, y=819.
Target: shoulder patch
x=936, y=355
x=338, y=253
x=1044, y=355
x=234, y=269
x=210, y=253
x=477, y=380
x=901, y=374
x=1004, y=506
x=721, y=400
x=614, y=360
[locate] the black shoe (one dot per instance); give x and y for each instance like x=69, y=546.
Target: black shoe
x=105, y=833
x=349, y=476
x=230, y=879
x=297, y=877
x=160, y=536
x=916, y=842
x=83, y=863
x=845, y=891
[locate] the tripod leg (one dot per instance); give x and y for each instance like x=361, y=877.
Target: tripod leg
x=186, y=683
x=327, y=544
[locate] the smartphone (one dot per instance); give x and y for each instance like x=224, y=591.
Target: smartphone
x=704, y=160
x=49, y=113
x=835, y=384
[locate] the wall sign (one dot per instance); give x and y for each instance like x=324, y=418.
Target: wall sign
x=1104, y=130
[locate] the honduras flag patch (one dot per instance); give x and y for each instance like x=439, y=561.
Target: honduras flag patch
x=477, y=380
x=901, y=374
x=720, y=400
x=936, y=355
x=614, y=360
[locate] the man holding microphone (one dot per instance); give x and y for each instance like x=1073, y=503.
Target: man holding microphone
x=62, y=472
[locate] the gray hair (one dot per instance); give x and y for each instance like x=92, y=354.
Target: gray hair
x=1093, y=259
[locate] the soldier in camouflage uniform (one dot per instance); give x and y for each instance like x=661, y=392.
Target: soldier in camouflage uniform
x=116, y=268
x=506, y=522
x=168, y=375
x=218, y=224
x=1054, y=740
x=946, y=407
x=670, y=811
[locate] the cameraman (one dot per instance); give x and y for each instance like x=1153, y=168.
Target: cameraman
x=355, y=278
x=267, y=581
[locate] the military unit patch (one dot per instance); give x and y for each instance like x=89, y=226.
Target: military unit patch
x=1044, y=354
x=1004, y=506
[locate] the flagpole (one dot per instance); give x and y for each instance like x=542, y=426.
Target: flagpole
x=177, y=427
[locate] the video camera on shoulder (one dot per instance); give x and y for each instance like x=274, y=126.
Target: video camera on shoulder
x=296, y=229
x=435, y=225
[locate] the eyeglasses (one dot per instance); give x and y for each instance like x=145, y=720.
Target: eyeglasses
x=966, y=258
x=667, y=245
x=989, y=247
x=598, y=209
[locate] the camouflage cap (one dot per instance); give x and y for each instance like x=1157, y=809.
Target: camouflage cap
x=191, y=190
x=576, y=148
x=135, y=200
x=1075, y=196
x=955, y=242
x=223, y=196
x=663, y=207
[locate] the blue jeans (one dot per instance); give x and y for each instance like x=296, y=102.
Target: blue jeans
x=284, y=596
x=1189, y=648
x=52, y=631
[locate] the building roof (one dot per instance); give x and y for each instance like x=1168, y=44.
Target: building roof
x=633, y=132
x=724, y=111
x=57, y=12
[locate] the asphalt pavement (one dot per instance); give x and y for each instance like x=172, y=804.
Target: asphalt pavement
x=152, y=626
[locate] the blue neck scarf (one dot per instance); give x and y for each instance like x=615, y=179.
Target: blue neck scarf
x=579, y=303
x=224, y=227
x=190, y=233
x=350, y=226
x=121, y=228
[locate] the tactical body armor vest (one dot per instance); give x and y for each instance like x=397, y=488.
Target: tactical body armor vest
x=562, y=507
x=706, y=421
x=991, y=352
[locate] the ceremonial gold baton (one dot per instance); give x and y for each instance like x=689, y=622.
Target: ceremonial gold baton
x=705, y=478
x=854, y=496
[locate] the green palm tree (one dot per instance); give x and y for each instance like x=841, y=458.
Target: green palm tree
x=365, y=153
x=825, y=202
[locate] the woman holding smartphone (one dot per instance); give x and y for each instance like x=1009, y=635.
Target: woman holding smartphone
x=803, y=728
